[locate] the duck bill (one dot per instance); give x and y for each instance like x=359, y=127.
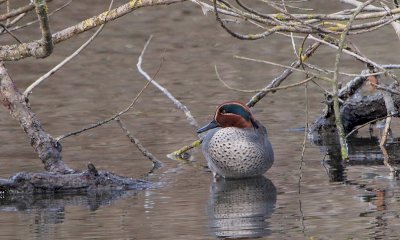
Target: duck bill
x=210, y=125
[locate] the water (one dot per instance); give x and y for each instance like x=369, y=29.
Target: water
x=332, y=201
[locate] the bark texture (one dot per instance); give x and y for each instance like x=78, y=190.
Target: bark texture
x=59, y=177
x=88, y=181
x=39, y=48
x=355, y=110
x=48, y=149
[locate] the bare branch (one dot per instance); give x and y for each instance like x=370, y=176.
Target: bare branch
x=46, y=41
x=5, y=29
x=35, y=21
x=16, y=52
x=335, y=91
x=17, y=11
x=156, y=163
x=15, y=20
x=167, y=93
x=48, y=149
x=287, y=72
x=358, y=4
x=29, y=89
x=117, y=115
x=259, y=90
x=178, y=154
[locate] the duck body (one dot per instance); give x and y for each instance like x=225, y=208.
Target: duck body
x=238, y=145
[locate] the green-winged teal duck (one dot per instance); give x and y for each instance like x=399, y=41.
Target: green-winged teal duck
x=236, y=145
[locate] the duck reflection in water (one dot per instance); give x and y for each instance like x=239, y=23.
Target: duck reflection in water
x=238, y=208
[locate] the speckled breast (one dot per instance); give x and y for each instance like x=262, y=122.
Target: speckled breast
x=237, y=153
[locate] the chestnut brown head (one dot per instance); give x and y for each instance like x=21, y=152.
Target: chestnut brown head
x=231, y=114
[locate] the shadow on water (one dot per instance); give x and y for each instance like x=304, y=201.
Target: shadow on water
x=362, y=151
x=239, y=208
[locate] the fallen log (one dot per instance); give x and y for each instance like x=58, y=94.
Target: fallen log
x=83, y=182
x=59, y=177
x=355, y=110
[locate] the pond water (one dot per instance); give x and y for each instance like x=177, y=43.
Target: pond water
x=317, y=198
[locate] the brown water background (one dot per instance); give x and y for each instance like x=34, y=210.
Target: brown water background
x=103, y=80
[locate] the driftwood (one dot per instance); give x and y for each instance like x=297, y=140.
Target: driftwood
x=355, y=110
x=91, y=180
x=380, y=102
x=59, y=177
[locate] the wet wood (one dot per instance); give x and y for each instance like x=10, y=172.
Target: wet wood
x=88, y=181
x=59, y=177
x=48, y=149
x=354, y=110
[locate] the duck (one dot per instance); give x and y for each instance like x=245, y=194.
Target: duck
x=236, y=145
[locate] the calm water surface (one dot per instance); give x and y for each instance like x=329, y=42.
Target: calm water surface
x=333, y=201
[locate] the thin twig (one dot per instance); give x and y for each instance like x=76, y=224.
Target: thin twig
x=259, y=90
x=15, y=20
x=286, y=73
x=369, y=122
x=29, y=89
x=8, y=10
x=19, y=51
x=386, y=162
x=156, y=163
x=179, y=153
x=383, y=88
x=35, y=21
x=390, y=109
x=287, y=67
x=303, y=148
x=106, y=120
x=18, y=11
x=385, y=131
x=335, y=91
x=115, y=115
x=177, y=103
x=357, y=56
x=305, y=125
x=9, y=32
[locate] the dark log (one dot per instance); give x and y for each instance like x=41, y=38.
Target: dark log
x=84, y=182
x=59, y=178
x=355, y=111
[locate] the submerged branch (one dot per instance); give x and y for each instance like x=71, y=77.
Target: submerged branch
x=156, y=163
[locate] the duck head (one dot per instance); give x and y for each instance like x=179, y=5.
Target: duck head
x=231, y=114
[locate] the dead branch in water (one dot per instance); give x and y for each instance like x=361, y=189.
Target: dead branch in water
x=48, y=148
x=59, y=176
